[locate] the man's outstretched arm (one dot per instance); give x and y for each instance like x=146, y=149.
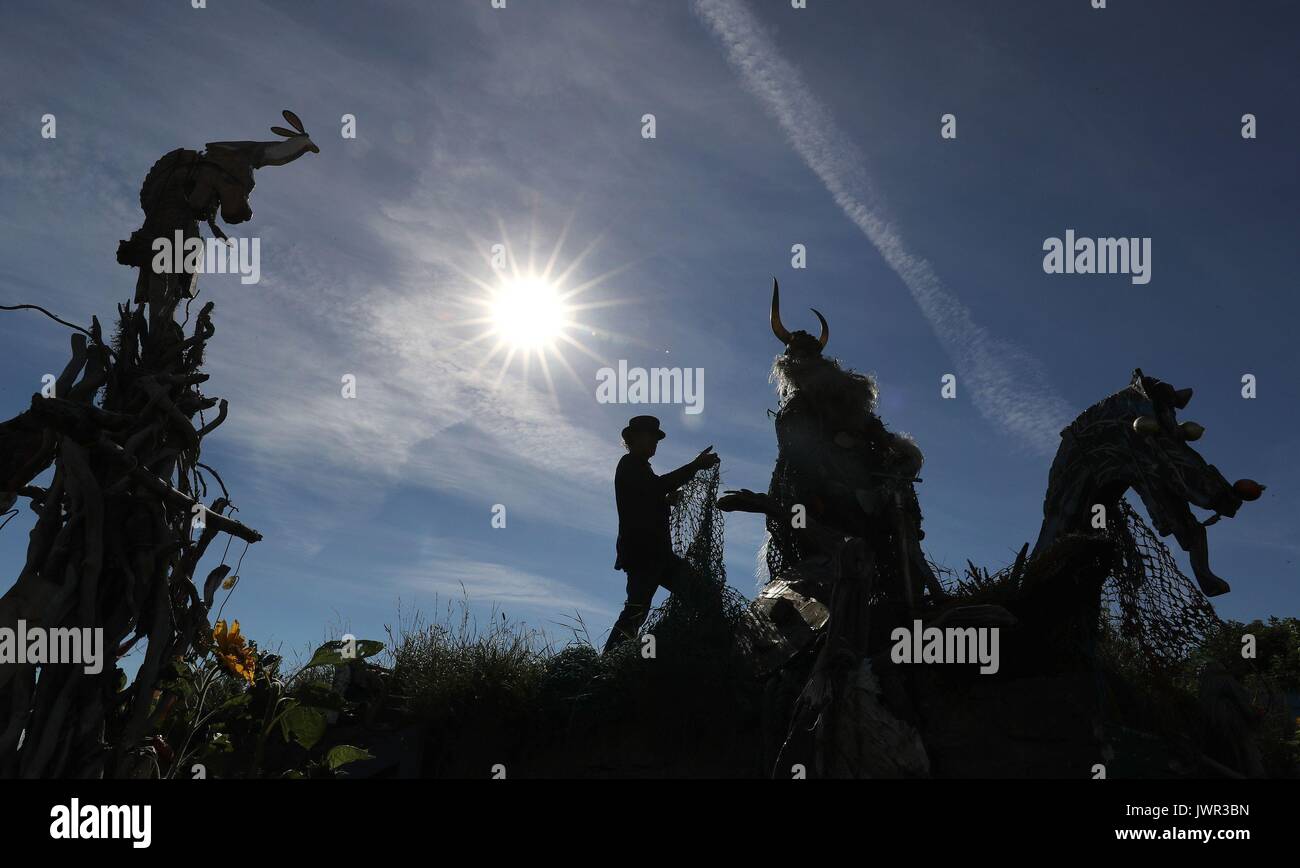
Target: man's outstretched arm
x=675, y=479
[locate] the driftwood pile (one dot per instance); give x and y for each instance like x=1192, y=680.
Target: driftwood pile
x=120, y=529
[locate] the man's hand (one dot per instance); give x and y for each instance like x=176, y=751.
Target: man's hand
x=706, y=459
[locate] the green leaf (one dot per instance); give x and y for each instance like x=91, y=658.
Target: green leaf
x=307, y=725
x=182, y=685
x=331, y=653
x=325, y=656
x=236, y=701
x=318, y=695
x=283, y=722
x=341, y=755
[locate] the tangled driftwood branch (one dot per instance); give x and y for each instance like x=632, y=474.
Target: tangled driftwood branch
x=113, y=547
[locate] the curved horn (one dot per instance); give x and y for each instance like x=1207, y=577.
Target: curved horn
x=826, y=330
x=779, y=330
x=1181, y=397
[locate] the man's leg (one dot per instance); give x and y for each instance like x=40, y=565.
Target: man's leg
x=676, y=577
x=641, y=587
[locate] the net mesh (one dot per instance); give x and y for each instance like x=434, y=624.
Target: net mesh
x=707, y=607
x=696, y=525
x=1149, y=602
x=782, y=549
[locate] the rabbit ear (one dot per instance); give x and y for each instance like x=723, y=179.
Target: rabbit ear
x=281, y=131
x=293, y=121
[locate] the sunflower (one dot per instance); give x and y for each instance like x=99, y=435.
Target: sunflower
x=237, y=657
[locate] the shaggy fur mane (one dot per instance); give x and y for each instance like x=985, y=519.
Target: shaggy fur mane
x=822, y=378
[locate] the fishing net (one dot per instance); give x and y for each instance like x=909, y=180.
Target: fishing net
x=691, y=696
x=821, y=402
x=1148, y=602
x=781, y=549
x=705, y=606
x=696, y=526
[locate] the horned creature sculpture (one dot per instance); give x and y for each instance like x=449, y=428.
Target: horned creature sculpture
x=844, y=559
x=839, y=471
x=837, y=459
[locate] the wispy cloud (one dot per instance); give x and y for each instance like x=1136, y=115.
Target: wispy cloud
x=1008, y=385
x=509, y=588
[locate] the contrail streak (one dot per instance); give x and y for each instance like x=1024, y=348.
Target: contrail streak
x=1007, y=384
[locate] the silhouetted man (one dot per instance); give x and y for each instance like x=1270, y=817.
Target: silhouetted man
x=645, y=550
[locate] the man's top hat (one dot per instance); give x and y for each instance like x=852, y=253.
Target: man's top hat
x=645, y=424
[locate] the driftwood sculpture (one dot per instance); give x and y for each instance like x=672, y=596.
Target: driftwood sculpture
x=844, y=557
x=1133, y=440
x=853, y=569
x=838, y=462
x=128, y=512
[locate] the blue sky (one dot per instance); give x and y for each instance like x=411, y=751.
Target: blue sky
x=775, y=126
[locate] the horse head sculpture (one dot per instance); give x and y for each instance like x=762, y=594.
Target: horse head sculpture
x=1133, y=440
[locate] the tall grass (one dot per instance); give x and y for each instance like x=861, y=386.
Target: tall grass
x=501, y=692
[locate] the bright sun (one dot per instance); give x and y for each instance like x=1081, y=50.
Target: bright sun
x=529, y=314
x=529, y=309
